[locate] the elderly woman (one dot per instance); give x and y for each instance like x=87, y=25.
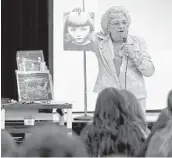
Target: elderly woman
x=123, y=59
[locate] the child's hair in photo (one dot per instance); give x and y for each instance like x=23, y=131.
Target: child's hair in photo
x=77, y=18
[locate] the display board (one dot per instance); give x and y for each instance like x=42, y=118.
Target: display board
x=34, y=86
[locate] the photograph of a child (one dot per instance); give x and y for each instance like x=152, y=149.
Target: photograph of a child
x=78, y=30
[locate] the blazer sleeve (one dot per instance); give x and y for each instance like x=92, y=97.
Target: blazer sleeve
x=143, y=60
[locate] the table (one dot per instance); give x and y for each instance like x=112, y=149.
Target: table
x=36, y=106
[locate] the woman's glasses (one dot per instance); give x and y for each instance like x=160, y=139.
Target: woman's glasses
x=118, y=24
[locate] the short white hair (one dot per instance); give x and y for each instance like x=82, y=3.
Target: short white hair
x=109, y=14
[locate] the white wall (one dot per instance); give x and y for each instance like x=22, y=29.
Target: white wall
x=151, y=19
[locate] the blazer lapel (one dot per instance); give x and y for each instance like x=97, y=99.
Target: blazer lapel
x=106, y=50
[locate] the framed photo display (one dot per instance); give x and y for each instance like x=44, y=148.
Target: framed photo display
x=34, y=86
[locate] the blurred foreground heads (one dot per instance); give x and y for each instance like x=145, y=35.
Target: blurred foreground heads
x=8, y=146
x=52, y=141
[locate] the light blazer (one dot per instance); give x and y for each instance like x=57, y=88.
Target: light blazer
x=107, y=76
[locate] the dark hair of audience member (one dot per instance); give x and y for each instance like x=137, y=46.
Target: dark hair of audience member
x=52, y=141
x=112, y=131
x=8, y=146
x=166, y=114
x=133, y=105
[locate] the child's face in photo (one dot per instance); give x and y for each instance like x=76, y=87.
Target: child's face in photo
x=80, y=34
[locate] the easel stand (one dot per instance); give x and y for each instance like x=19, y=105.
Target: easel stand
x=85, y=117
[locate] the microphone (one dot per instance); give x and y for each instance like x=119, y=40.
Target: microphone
x=125, y=41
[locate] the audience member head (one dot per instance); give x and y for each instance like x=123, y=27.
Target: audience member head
x=160, y=144
x=8, y=146
x=166, y=146
x=110, y=108
x=112, y=131
x=52, y=141
x=133, y=105
x=165, y=115
x=160, y=124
